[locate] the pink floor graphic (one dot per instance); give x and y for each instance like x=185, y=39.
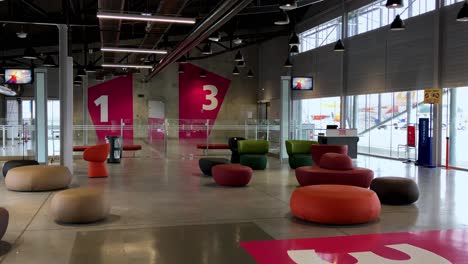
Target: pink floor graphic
x=429, y=247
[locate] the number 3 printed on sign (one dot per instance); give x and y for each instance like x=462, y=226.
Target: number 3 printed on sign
x=103, y=101
x=210, y=97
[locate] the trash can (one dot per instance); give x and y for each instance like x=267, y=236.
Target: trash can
x=115, y=153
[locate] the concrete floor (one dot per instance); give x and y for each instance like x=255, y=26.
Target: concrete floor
x=151, y=196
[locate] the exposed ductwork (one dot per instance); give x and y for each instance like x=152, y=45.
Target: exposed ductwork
x=110, y=38
x=222, y=14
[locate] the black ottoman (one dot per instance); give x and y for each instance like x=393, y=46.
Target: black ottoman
x=395, y=190
x=207, y=163
x=235, y=157
x=16, y=163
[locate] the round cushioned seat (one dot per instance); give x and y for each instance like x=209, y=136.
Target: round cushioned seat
x=231, y=174
x=80, y=205
x=335, y=204
x=254, y=161
x=395, y=190
x=207, y=163
x=16, y=163
x=312, y=175
x=38, y=178
x=4, y=216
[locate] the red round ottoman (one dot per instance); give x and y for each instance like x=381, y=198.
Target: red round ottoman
x=335, y=204
x=231, y=174
x=311, y=175
x=318, y=150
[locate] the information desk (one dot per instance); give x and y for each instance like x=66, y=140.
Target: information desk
x=341, y=137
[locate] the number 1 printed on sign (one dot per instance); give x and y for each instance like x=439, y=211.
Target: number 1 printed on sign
x=103, y=101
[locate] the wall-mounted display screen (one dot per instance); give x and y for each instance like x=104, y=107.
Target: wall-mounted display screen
x=302, y=83
x=18, y=76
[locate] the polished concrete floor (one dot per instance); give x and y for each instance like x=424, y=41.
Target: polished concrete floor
x=164, y=207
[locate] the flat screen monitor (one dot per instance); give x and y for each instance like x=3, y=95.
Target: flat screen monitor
x=18, y=76
x=302, y=83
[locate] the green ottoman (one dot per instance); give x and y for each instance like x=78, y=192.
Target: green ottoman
x=253, y=153
x=299, y=153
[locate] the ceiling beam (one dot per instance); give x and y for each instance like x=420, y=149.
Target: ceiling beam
x=223, y=13
x=35, y=7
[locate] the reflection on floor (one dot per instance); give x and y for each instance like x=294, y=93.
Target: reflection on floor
x=150, y=192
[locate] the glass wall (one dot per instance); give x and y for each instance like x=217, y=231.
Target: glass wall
x=455, y=124
x=382, y=121
x=311, y=116
x=376, y=15
x=451, y=2
x=320, y=35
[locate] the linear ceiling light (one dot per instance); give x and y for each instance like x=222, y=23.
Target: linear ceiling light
x=163, y=19
x=132, y=50
x=136, y=66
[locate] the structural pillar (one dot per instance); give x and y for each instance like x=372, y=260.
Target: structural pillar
x=85, y=110
x=285, y=97
x=40, y=95
x=66, y=99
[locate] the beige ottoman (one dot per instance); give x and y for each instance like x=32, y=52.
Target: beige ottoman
x=3, y=221
x=38, y=178
x=81, y=205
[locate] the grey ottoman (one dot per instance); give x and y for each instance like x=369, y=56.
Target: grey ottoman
x=207, y=163
x=395, y=190
x=16, y=163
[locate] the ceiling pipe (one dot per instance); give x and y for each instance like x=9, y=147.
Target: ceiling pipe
x=203, y=30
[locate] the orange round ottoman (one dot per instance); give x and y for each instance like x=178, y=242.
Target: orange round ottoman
x=231, y=174
x=335, y=204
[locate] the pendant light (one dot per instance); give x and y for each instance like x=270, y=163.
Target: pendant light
x=182, y=59
x=241, y=64
x=463, y=14
x=288, y=4
x=397, y=24
x=49, y=62
x=30, y=53
x=284, y=20
x=394, y=4
x=235, y=71
x=181, y=68
x=77, y=81
x=100, y=77
x=90, y=68
x=81, y=72
x=294, y=40
x=215, y=37
x=203, y=74
x=250, y=74
x=239, y=56
x=287, y=63
x=207, y=49
x=294, y=50
x=339, y=46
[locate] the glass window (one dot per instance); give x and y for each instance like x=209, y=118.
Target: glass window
x=320, y=35
x=455, y=126
x=311, y=116
x=376, y=15
x=451, y=2
x=386, y=116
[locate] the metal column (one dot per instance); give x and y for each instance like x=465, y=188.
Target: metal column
x=85, y=109
x=40, y=95
x=285, y=95
x=66, y=99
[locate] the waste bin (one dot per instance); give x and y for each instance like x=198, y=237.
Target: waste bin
x=115, y=153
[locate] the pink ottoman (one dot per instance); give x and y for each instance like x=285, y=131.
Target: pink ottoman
x=231, y=174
